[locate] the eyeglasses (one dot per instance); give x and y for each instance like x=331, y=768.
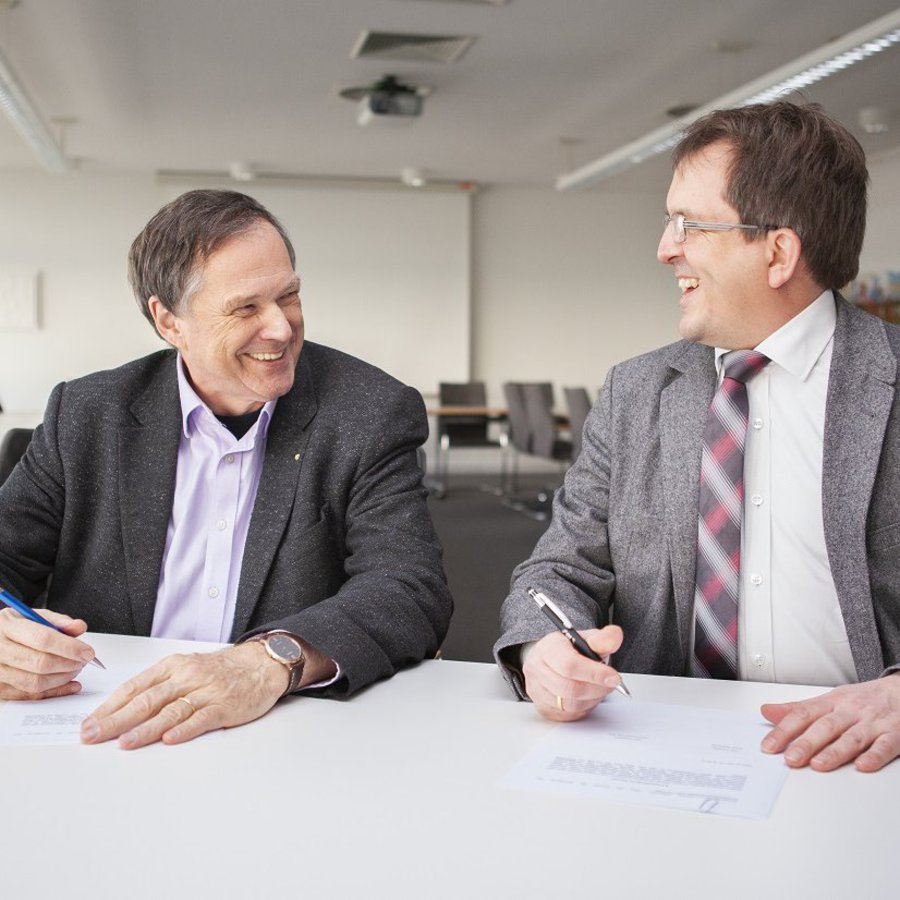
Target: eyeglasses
x=683, y=225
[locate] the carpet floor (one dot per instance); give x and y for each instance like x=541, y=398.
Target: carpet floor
x=483, y=541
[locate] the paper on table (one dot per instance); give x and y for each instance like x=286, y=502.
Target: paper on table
x=654, y=754
x=58, y=720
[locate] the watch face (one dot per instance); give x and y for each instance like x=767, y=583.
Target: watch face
x=285, y=647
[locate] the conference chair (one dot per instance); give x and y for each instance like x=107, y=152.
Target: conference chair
x=464, y=431
x=578, y=403
x=526, y=441
x=519, y=430
x=421, y=460
x=545, y=439
x=12, y=448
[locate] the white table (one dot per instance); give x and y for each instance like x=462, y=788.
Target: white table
x=393, y=795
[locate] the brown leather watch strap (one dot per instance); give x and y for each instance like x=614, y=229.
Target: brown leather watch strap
x=294, y=668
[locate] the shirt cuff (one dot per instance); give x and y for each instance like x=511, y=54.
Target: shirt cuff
x=323, y=684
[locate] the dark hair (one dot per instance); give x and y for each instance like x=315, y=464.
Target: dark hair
x=165, y=258
x=793, y=167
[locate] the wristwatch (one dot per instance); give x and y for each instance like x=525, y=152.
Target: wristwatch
x=286, y=649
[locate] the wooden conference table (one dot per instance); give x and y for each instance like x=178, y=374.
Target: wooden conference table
x=394, y=794
x=492, y=412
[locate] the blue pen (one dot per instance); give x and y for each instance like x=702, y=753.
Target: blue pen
x=23, y=609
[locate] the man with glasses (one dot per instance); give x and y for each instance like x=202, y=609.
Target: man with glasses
x=735, y=512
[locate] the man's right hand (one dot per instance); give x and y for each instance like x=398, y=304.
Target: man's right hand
x=563, y=684
x=37, y=662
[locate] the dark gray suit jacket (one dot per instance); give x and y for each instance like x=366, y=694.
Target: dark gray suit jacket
x=622, y=542
x=340, y=549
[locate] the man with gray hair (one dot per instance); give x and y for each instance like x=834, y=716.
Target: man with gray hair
x=781, y=393
x=241, y=486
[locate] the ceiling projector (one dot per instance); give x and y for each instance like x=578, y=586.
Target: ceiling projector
x=388, y=101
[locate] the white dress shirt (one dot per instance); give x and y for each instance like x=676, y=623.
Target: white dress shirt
x=790, y=627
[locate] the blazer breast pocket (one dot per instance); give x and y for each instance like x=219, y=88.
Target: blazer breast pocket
x=309, y=564
x=308, y=532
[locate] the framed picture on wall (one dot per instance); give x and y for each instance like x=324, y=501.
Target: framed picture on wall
x=18, y=299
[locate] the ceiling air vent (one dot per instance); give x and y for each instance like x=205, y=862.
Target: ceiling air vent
x=443, y=48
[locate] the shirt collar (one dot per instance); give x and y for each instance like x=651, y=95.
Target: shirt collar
x=192, y=406
x=799, y=343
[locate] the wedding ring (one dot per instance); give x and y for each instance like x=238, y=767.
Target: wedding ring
x=559, y=704
x=191, y=705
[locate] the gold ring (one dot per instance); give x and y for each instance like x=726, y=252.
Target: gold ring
x=191, y=705
x=559, y=704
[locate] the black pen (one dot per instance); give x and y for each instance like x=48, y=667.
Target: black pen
x=23, y=609
x=561, y=622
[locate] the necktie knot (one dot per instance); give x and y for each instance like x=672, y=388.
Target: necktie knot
x=742, y=365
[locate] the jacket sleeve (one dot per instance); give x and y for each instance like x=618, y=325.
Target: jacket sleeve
x=571, y=562
x=32, y=502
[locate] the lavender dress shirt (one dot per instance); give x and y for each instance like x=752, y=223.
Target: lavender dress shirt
x=215, y=488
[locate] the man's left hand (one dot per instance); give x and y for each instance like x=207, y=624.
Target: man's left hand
x=184, y=696
x=854, y=722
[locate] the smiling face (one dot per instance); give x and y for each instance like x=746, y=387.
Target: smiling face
x=726, y=300
x=240, y=334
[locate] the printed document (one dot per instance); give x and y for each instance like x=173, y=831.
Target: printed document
x=654, y=754
x=58, y=720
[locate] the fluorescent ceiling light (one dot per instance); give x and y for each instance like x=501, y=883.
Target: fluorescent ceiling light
x=801, y=73
x=24, y=116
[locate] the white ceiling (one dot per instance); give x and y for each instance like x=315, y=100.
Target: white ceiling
x=196, y=84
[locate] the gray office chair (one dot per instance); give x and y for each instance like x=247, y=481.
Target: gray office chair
x=519, y=430
x=12, y=449
x=545, y=439
x=421, y=460
x=464, y=431
x=525, y=439
x=578, y=403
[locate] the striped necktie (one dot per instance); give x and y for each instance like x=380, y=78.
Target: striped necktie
x=719, y=523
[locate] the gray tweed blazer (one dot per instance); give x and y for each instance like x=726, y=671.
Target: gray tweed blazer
x=340, y=549
x=621, y=546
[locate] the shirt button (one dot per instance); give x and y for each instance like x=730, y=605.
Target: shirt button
x=213, y=592
x=230, y=457
x=759, y=660
x=221, y=524
x=757, y=424
x=756, y=500
x=756, y=580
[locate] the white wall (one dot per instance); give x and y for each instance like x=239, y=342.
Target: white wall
x=385, y=274
x=75, y=232
x=561, y=285
x=565, y=285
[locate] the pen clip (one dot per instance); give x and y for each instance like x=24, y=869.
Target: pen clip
x=543, y=600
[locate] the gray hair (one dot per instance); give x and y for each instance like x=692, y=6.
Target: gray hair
x=165, y=259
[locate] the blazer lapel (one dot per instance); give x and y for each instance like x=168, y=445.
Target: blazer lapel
x=860, y=399
x=285, y=446
x=682, y=418
x=148, y=458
